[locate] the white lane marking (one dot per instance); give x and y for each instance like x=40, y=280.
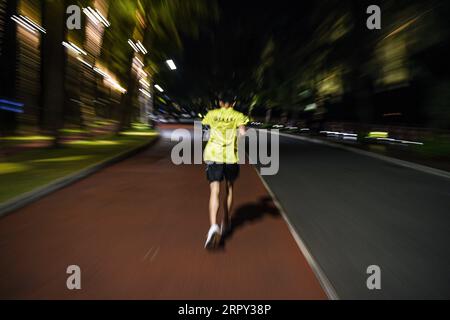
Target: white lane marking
x=154, y=254
x=148, y=253
x=402, y=163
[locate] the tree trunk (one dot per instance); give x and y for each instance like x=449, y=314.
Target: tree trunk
x=126, y=103
x=268, y=115
x=53, y=69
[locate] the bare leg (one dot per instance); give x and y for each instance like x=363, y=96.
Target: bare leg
x=228, y=203
x=214, y=202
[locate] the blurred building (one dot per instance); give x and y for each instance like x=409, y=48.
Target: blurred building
x=398, y=75
x=53, y=77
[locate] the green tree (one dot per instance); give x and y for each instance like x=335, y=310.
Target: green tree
x=163, y=22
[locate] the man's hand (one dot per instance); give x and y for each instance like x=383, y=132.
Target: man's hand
x=242, y=131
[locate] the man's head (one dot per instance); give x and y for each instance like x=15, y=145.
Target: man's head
x=227, y=101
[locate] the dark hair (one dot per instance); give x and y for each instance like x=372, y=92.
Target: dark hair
x=227, y=97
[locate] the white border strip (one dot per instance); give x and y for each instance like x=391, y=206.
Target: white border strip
x=320, y=275
x=402, y=163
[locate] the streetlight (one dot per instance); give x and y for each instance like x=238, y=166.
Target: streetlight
x=141, y=47
x=96, y=17
x=159, y=88
x=145, y=93
x=137, y=46
x=28, y=24
x=74, y=48
x=171, y=65
x=133, y=45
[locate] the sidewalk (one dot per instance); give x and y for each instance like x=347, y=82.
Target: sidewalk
x=137, y=231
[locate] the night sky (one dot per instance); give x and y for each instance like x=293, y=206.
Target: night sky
x=227, y=51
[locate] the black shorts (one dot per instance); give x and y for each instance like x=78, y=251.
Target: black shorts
x=217, y=172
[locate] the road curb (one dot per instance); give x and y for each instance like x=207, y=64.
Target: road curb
x=402, y=163
x=325, y=283
x=38, y=193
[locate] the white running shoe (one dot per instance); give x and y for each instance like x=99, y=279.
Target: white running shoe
x=213, y=239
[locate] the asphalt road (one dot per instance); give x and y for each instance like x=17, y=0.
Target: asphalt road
x=353, y=211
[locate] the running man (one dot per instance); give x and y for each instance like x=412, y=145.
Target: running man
x=221, y=157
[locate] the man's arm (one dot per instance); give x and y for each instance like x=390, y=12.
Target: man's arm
x=206, y=120
x=243, y=120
